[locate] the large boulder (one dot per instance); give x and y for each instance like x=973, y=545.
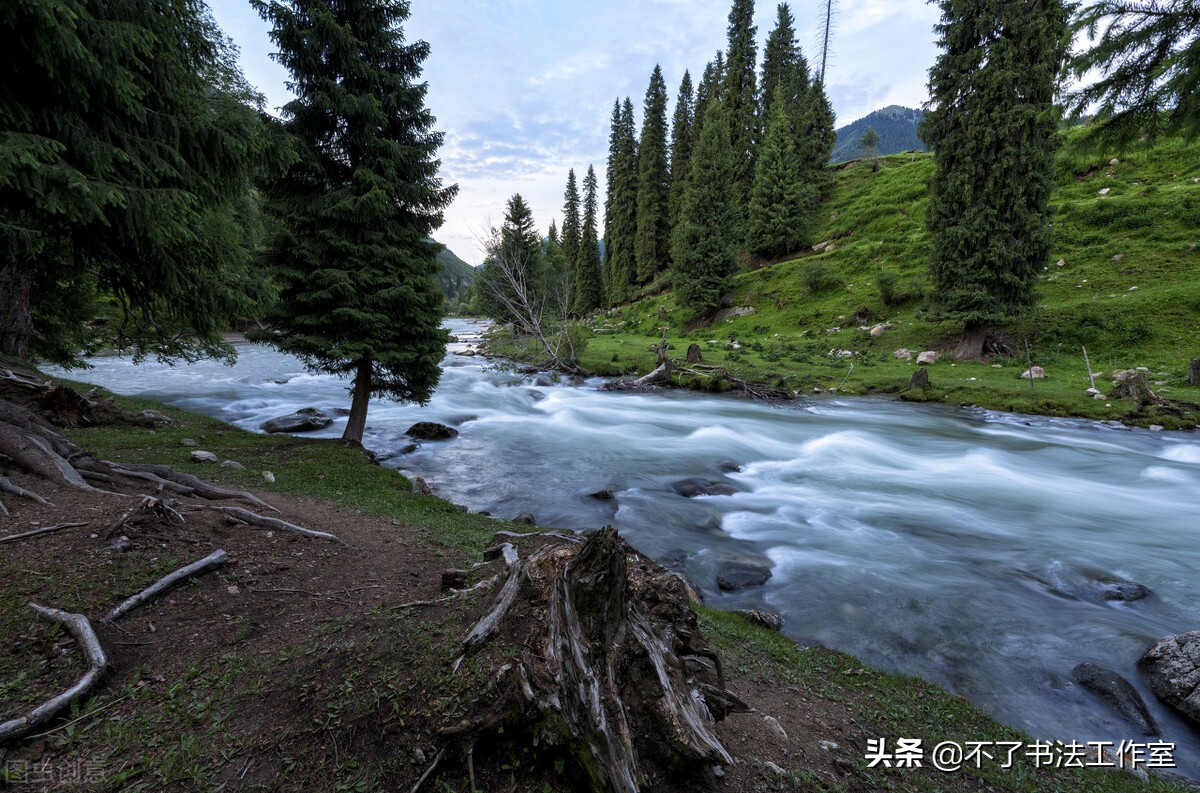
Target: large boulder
x=1119, y=693
x=1172, y=666
x=303, y=420
x=733, y=576
x=431, y=431
x=690, y=488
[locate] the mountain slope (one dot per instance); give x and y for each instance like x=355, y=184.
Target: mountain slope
x=454, y=274
x=897, y=128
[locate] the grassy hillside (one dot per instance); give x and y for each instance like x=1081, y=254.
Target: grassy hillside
x=454, y=274
x=1124, y=281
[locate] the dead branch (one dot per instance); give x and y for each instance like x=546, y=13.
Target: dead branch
x=428, y=771
x=488, y=623
x=201, y=488
x=210, y=562
x=8, y=487
x=79, y=627
x=246, y=516
x=149, y=505
x=38, y=532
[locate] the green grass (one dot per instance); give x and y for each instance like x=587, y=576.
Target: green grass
x=1142, y=233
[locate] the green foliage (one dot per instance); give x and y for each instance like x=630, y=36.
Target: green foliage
x=571, y=228
x=895, y=125
x=739, y=99
x=868, y=147
x=703, y=243
x=992, y=132
x=357, y=205
x=681, y=148
x=620, y=206
x=589, y=288
x=783, y=197
x=129, y=143
x=819, y=277
x=1148, y=56
x=652, y=237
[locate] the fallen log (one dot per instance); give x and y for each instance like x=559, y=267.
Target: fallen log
x=210, y=562
x=246, y=516
x=79, y=627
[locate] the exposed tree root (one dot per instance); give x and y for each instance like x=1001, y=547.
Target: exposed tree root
x=79, y=627
x=38, y=532
x=246, y=516
x=210, y=562
x=157, y=509
x=612, y=669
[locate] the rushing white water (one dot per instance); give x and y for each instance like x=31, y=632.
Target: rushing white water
x=965, y=547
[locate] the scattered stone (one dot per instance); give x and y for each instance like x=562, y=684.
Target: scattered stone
x=1156, y=428
x=1105, y=190
x=454, y=579
x=767, y=619
x=878, y=330
x=122, y=544
x=1118, y=693
x=1061, y=263
x=152, y=418
x=187, y=442
x=734, y=576
x=736, y=311
x=269, y=477
x=828, y=746
x=421, y=487
x=690, y=488
x=1133, y=289
x=1114, y=161
x=303, y=420
x=203, y=457
x=903, y=354
x=1172, y=666
x=1034, y=373
x=607, y=494
x=1118, y=257
x=929, y=357
x=527, y=518
x=234, y=464
x=431, y=431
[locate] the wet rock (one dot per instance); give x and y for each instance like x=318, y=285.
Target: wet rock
x=1126, y=591
x=690, y=488
x=527, y=518
x=458, y=421
x=767, y=619
x=607, y=494
x=431, y=431
x=1118, y=693
x=203, y=457
x=728, y=467
x=675, y=560
x=734, y=576
x=536, y=395
x=1172, y=667
x=303, y=420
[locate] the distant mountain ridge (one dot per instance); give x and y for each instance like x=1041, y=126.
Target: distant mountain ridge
x=896, y=126
x=454, y=274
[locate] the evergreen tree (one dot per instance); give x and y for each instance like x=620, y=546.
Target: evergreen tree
x=782, y=59
x=708, y=90
x=620, y=210
x=817, y=134
x=991, y=128
x=652, y=240
x=703, y=245
x=1149, y=60
x=570, y=228
x=360, y=294
x=782, y=199
x=739, y=99
x=588, y=289
x=681, y=148
x=129, y=144
x=552, y=234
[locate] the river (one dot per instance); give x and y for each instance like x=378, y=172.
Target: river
x=970, y=548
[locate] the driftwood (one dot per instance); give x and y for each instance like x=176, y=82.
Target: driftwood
x=38, y=532
x=246, y=516
x=186, y=484
x=210, y=562
x=79, y=627
x=612, y=673
x=160, y=510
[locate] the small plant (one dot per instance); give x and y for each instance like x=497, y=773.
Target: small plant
x=887, y=281
x=819, y=277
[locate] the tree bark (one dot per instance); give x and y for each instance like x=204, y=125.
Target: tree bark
x=970, y=344
x=16, y=326
x=357, y=421
x=1194, y=372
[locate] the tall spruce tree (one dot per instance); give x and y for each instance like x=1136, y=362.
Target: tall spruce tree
x=681, y=148
x=991, y=127
x=816, y=132
x=129, y=143
x=620, y=208
x=589, y=292
x=652, y=241
x=704, y=243
x=739, y=98
x=358, y=268
x=781, y=60
x=708, y=90
x=571, y=228
x=783, y=196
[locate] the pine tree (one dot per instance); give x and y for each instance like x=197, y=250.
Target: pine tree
x=782, y=199
x=652, y=240
x=739, y=98
x=620, y=209
x=782, y=60
x=588, y=289
x=991, y=128
x=570, y=228
x=360, y=294
x=708, y=90
x=129, y=144
x=703, y=245
x=816, y=134
x=681, y=148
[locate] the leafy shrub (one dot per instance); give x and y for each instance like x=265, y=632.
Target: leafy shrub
x=819, y=277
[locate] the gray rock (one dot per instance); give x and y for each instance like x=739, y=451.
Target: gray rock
x=690, y=488
x=187, y=442
x=203, y=457
x=1034, y=373
x=607, y=494
x=234, y=464
x=152, y=418
x=421, y=487
x=1124, y=591
x=729, y=467
x=527, y=518
x=1172, y=666
x=929, y=357
x=1118, y=693
x=767, y=619
x=733, y=576
x=303, y=420
x=431, y=431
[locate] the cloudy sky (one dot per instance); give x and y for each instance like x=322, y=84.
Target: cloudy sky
x=523, y=89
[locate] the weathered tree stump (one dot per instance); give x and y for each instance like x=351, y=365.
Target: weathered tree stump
x=1194, y=372
x=610, y=668
x=920, y=379
x=693, y=353
x=1135, y=387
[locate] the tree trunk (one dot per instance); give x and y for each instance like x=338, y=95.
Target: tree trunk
x=970, y=344
x=16, y=327
x=358, y=404
x=1194, y=372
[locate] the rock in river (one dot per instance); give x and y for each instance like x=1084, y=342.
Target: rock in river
x=303, y=420
x=690, y=488
x=733, y=576
x=431, y=431
x=1118, y=693
x=1172, y=665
